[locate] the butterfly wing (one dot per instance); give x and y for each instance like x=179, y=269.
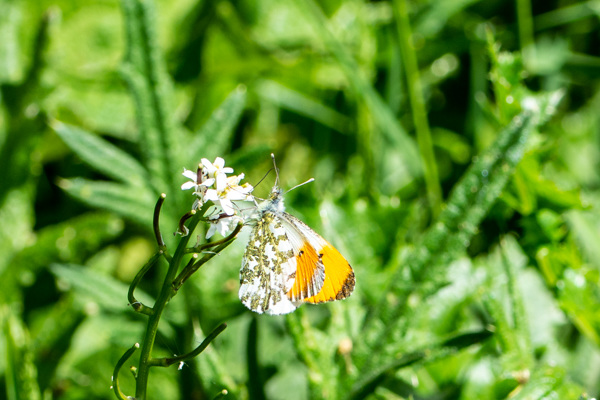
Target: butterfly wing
x=322, y=273
x=309, y=276
x=268, y=268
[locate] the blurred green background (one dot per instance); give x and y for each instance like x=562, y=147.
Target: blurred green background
x=475, y=241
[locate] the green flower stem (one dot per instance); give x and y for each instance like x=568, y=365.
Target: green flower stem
x=168, y=361
x=182, y=228
x=137, y=305
x=417, y=102
x=191, y=268
x=165, y=294
x=525, y=21
x=155, y=224
x=115, y=378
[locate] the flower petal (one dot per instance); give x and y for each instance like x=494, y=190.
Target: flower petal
x=189, y=174
x=219, y=163
x=207, y=182
x=188, y=185
x=210, y=168
x=212, y=195
x=227, y=206
x=221, y=182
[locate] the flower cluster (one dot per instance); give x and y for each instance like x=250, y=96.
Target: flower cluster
x=211, y=183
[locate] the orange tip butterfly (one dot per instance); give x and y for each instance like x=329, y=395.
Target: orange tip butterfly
x=287, y=264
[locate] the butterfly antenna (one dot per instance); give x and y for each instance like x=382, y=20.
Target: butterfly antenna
x=263, y=178
x=303, y=183
x=276, y=170
x=277, y=176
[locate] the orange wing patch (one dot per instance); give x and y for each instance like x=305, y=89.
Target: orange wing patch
x=307, y=282
x=339, y=277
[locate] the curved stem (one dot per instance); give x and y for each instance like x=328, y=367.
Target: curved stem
x=182, y=228
x=165, y=294
x=115, y=378
x=137, y=305
x=167, y=361
x=155, y=224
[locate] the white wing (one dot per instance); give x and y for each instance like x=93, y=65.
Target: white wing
x=268, y=268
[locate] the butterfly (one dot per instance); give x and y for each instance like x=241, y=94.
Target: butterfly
x=286, y=263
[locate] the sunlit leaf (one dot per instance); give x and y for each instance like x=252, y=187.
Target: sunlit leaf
x=128, y=201
x=102, y=155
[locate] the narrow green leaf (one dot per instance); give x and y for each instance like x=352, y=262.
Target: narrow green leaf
x=52, y=336
x=75, y=240
x=437, y=14
x=143, y=69
x=17, y=213
x=303, y=104
x=107, y=292
x=21, y=372
x=418, y=106
x=127, y=201
x=215, y=135
x=102, y=155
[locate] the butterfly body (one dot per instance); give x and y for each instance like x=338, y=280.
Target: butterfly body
x=286, y=263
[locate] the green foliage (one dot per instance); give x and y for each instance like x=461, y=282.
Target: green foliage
x=454, y=146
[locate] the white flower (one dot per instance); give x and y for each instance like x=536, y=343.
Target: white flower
x=198, y=181
x=217, y=171
x=211, y=183
x=224, y=225
x=231, y=192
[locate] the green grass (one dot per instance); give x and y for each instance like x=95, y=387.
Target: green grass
x=455, y=150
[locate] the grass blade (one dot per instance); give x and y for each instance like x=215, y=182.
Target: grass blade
x=21, y=372
x=121, y=199
x=102, y=155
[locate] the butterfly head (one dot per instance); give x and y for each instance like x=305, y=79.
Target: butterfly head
x=274, y=202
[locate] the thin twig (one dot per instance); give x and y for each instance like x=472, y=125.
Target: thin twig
x=155, y=224
x=165, y=294
x=168, y=361
x=137, y=305
x=115, y=378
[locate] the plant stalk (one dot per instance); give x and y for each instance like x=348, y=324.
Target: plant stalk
x=164, y=296
x=419, y=113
